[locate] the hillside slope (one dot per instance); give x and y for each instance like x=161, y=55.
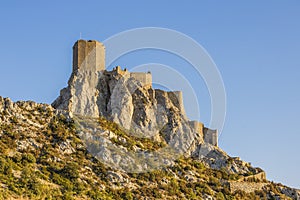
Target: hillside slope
x=44, y=156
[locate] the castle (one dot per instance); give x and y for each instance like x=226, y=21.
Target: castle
x=82, y=58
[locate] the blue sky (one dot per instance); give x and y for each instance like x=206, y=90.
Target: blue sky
x=255, y=45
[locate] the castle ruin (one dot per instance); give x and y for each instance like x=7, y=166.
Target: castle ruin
x=90, y=55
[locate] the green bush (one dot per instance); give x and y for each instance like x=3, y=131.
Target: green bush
x=127, y=195
x=6, y=166
x=70, y=171
x=30, y=183
x=220, y=196
x=60, y=180
x=28, y=157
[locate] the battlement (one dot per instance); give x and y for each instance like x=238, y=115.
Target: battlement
x=88, y=54
x=118, y=70
x=145, y=78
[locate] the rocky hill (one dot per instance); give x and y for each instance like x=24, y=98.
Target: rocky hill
x=43, y=156
x=110, y=135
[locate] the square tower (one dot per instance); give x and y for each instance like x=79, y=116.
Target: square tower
x=210, y=136
x=88, y=54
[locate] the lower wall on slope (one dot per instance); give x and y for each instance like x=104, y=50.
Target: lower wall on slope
x=246, y=186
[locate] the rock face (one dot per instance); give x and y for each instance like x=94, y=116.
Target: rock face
x=121, y=98
x=129, y=100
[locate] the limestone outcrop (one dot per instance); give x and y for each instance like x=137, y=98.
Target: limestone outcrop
x=143, y=111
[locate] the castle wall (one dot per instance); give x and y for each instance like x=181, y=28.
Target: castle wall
x=88, y=54
x=197, y=127
x=246, y=186
x=177, y=99
x=210, y=136
x=144, y=78
x=260, y=177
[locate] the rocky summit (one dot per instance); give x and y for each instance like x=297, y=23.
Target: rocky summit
x=111, y=135
x=128, y=99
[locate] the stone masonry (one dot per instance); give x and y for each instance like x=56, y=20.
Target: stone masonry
x=88, y=54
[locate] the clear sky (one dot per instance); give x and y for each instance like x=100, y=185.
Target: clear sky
x=255, y=45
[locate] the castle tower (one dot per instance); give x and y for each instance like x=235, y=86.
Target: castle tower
x=197, y=127
x=89, y=54
x=144, y=78
x=210, y=136
x=179, y=99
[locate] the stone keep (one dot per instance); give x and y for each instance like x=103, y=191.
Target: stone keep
x=88, y=54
